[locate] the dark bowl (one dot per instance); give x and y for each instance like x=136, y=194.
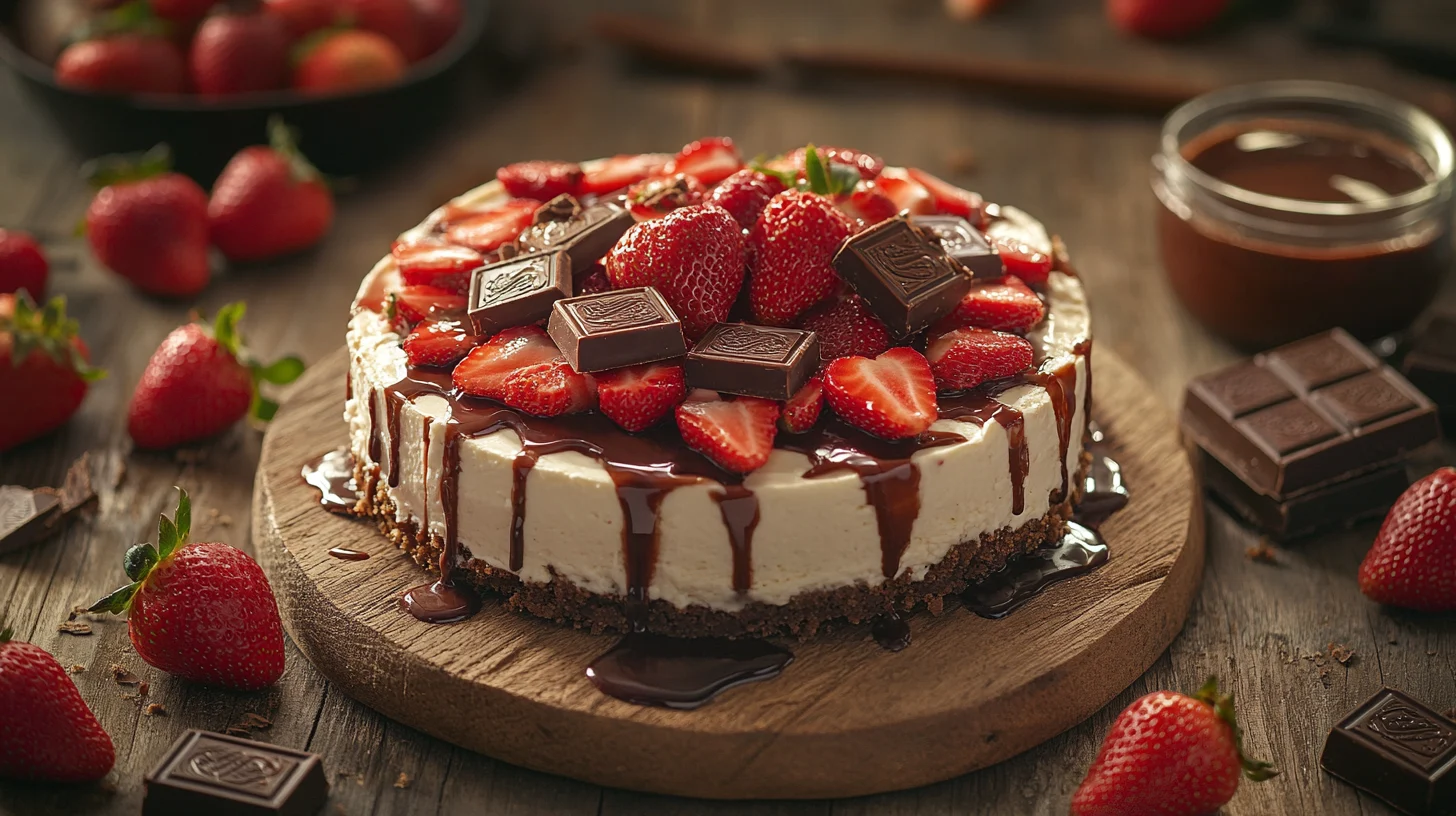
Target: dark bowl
x=342, y=134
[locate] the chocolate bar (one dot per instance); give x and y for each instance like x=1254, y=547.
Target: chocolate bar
x=1399, y=750
x=221, y=775
x=26, y=516
x=1431, y=363
x=585, y=237
x=1331, y=506
x=906, y=278
x=518, y=292
x=963, y=244
x=615, y=329
x=753, y=361
x=1312, y=412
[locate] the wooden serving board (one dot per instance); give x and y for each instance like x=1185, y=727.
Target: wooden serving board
x=847, y=718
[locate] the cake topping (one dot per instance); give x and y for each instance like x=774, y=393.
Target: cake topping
x=585, y=236
x=737, y=435
x=966, y=358
x=792, y=248
x=615, y=329
x=694, y=257
x=963, y=243
x=1004, y=304
x=891, y=396
x=561, y=208
x=540, y=180
x=518, y=292
x=487, y=230
x=907, y=280
x=754, y=361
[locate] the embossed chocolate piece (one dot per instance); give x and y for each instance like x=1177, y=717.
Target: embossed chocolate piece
x=1399, y=750
x=963, y=243
x=212, y=773
x=585, y=236
x=517, y=292
x=754, y=361
x=615, y=329
x=26, y=516
x=906, y=278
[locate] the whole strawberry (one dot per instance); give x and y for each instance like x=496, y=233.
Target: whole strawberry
x=200, y=381
x=149, y=225
x=269, y=201
x=203, y=612
x=745, y=193
x=49, y=735
x=792, y=244
x=1169, y=754
x=239, y=53
x=1410, y=564
x=42, y=357
x=348, y=61
x=1165, y=19
x=303, y=17
x=124, y=63
x=181, y=11
x=693, y=256
x=399, y=20
x=439, y=20
x=23, y=264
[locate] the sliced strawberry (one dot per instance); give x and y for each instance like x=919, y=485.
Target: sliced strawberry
x=891, y=396
x=950, y=199
x=1003, y=304
x=593, y=281
x=416, y=303
x=439, y=343
x=709, y=160
x=737, y=435
x=1022, y=259
x=619, y=172
x=486, y=231
x=484, y=370
x=549, y=389
x=745, y=193
x=436, y=263
x=802, y=409
x=966, y=358
x=660, y=195
x=640, y=396
x=868, y=164
x=847, y=328
x=868, y=204
x=540, y=180
x=905, y=192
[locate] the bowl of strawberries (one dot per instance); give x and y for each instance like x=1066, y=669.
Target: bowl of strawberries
x=361, y=80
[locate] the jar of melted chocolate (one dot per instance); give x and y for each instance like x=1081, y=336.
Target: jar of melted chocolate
x=1294, y=207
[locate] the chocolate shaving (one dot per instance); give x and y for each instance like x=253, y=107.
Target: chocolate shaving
x=74, y=628
x=123, y=676
x=155, y=710
x=1261, y=553
x=1341, y=653
x=76, y=490
x=76, y=668
x=403, y=781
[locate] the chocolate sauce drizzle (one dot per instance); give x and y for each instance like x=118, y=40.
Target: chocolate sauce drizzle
x=891, y=631
x=332, y=474
x=347, y=554
x=683, y=673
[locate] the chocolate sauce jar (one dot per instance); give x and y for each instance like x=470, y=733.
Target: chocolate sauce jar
x=1289, y=208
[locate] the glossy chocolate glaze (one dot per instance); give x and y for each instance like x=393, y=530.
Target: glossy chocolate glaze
x=347, y=554
x=333, y=476
x=683, y=673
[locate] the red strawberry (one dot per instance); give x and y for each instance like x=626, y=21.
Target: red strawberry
x=792, y=247
x=1168, y=754
x=486, y=231
x=620, y=171
x=1022, y=259
x=868, y=204
x=239, y=53
x=891, y=396
x=540, y=180
x=269, y=201
x=42, y=358
x=802, y=409
x=50, y=735
x=965, y=358
x=22, y=264
x=708, y=160
x=949, y=199
x=123, y=63
x=660, y=195
x=1410, y=563
x=867, y=164
x=439, y=20
x=303, y=17
x=638, y=397
x=439, y=343
x=202, y=612
x=1165, y=19
x=484, y=371
x=416, y=303
x=745, y=193
x=182, y=11
x=398, y=20
x=847, y=328
x=200, y=381
x=150, y=226
x=737, y=435
x=436, y=263
x=550, y=389
x=971, y=9
x=907, y=193
x=1003, y=304
x=693, y=256
x=348, y=60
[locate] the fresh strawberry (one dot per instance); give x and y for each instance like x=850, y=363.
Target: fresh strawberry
x=200, y=381
x=486, y=231
x=906, y=193
x=203, y=612
x=638, y=397
x=802, y=409
x=239, y=53
x=182, y=11
x=42, y=358
x=792, y=247
x=398, y=20
x=745, y=193
x=891, y=396
x=484, y=371
x=436, y=263
x=693, y=256
x=708, y=160
x=50, y=735
x=1022, y=259
x=150, y=225
x=540, y=180
x=847, y=328
x=868, y=205
x=620, y=172
x=439, y=20
x=1165, y=19
x=348, y=60
x=1003, y=304
x=23, y=264
x=439, y=343
x=1169, y=754
x=303, y=17
x=949, y=199
x=594, y=281
x=550, y=389
x=269, y=201
x=965, y=358
x=971, y=9
x=1410, y=564
x=124, y=64
x=660, y=195
x=416, y=303
x=867, y=164
x=737, y=435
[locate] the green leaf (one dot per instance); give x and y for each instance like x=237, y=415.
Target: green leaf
x=6, y=634
x=183, y=520
x=842, y=178
x=225, y=328
x=109, y=170
x=279, y=372
x=262, y=409
x=117, y=602
x=139, y=561
x=785, y=177
x=48, y=331
x=166, y=537
x=814, y=171
x=284, y=141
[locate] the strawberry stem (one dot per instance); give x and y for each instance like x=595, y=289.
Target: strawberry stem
x=1223, y=706
x=134, y=17
x=284, y=141
x=47, y=331
x=141, y=559
x=279, y=372
x=827, y=177
x=128, y=167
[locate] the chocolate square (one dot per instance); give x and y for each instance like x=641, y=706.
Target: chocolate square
x=906, y=278
x=26, y=516
x=218, y=774
x=1362, y=400
x=585, y=237
x=1242, y=389
x=1328, y=507
x=963, y=244
x=1397, y=749
x=517, y=292
x=753, y=361
x=615, y=329
x=1287, y=427
x=1321, y=360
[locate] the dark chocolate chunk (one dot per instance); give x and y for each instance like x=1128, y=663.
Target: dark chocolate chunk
x=615, y=329
x=1316, y=411
x=963, y=243
x=222, y=775
x=1329, y=507
x=518, y=292
x=561, y=208
x=585, y=237
x=26, y=516
x=753, y=361
x=1399, y=750
x=1431, y=363
x=907, y=279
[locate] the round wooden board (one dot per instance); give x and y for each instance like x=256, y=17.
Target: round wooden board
x=847, y=718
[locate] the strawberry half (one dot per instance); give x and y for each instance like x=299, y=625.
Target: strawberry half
x=847, y=328
x=486, y=231
x=620, y=172
x=1410, y=564
x=1004, y=304
x=737, y=435
x=640, y=396
x=906, y=193
x=416, y=303
x=708, y=160
x=484, y=370
x=948, y=198
x=891, y=396
x=439, y=344
x=660, y=195
x=1022, y=259
x=802, y=409
x=540, y=180
x=549, y=389
x=965, y=358
x=868, y=204
x=435, y=263
x=693, y=256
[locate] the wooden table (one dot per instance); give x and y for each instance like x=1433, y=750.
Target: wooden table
x=1264, y=629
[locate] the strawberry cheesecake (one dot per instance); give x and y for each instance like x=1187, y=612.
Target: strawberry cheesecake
x=692, y=396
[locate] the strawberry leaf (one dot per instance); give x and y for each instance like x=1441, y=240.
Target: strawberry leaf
x=109, y=170
x=825, y=177
x=225, y=328
x=284, y=141
x=183, y=517
x=139, y=561
x=117, y=602
x=279, y=372
x=262, y=409
x=814, y=171
x=47, y=331
x=1223, y=706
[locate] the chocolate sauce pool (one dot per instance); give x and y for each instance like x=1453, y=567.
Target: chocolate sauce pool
x=333, y=476
x=683, y=673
